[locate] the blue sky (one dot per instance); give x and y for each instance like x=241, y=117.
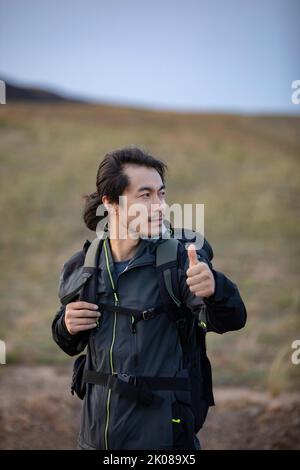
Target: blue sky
x=216, y=55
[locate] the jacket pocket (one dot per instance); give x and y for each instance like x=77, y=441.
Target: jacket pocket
x=183, y=422
x=199, y=404
x=94, y=358
x=77, y=385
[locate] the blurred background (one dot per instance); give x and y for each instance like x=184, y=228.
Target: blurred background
x=207, y=87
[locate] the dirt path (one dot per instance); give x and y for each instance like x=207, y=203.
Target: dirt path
x=37, y=411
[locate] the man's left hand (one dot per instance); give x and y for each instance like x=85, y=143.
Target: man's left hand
x=200, y=278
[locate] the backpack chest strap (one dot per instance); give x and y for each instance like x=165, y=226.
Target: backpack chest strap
x=137, y=388
x=138, y=315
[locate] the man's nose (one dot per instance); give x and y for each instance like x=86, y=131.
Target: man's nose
x=158, y=207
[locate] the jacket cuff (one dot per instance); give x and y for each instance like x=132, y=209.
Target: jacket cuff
x=219, y=295
x=62, y=329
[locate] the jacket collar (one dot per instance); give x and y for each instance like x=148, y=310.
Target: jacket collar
x=144, y=255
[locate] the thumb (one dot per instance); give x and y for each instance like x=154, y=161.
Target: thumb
x=192, y=255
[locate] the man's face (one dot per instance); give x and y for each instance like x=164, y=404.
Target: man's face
x=141, y=211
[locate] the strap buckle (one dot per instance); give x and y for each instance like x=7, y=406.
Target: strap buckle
x=131, y=379
x=148, y=314
x=124, y=377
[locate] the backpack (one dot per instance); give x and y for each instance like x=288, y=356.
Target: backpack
x=191, y=329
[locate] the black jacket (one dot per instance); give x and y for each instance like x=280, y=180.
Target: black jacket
x=108, y=421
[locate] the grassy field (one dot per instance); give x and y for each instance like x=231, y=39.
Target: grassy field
x=245, y=169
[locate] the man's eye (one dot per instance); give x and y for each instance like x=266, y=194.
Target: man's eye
x=146, y=194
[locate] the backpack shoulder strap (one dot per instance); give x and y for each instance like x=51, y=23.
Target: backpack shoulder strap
x=91, y=270
x=77, y=271
x=90, y=260
x=166, y=259
x=167, y=274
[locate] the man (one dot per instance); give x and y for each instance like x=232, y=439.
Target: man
x=127, y=277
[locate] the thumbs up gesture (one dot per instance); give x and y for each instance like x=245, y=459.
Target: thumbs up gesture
x=200, y=278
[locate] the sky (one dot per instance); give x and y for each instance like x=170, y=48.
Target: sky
x=193, y=55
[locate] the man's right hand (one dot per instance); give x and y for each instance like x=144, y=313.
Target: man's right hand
x=80, y=316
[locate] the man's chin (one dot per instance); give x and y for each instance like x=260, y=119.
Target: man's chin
x=148, y=231
x=155, y=232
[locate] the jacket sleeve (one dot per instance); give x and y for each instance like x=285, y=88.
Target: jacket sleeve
x=70, y=344
x=224, y=310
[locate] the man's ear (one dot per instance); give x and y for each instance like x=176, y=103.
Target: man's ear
x=112, y=208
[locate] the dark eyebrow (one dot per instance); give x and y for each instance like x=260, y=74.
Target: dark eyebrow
x=149, y=188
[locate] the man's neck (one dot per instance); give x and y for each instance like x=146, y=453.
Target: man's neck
x=123, y=250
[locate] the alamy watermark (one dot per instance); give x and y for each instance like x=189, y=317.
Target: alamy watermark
x=140, y=221
x=2, y=92
x=2, y=352
x=295, y=98
x=295, y=357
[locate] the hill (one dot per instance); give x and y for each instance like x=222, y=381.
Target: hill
x=244, y=168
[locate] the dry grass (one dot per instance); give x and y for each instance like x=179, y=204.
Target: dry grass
x=245, y=170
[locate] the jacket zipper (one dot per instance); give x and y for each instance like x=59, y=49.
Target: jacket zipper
x=134, y=339
x=132, y=318
x=116, y=301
